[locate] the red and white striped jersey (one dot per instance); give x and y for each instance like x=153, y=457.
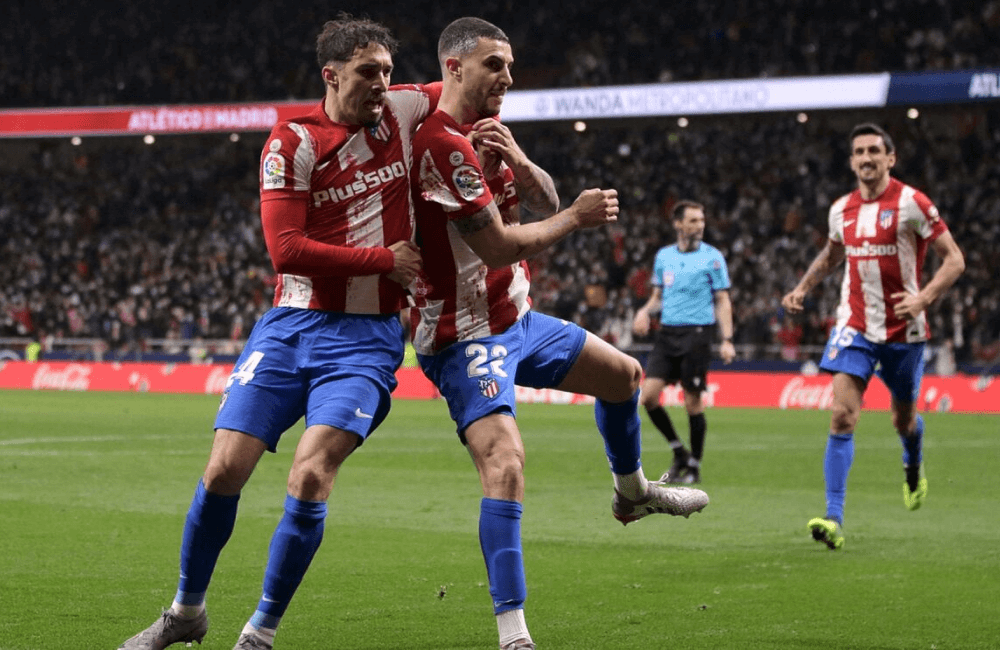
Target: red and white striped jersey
x=885, y=241
x=457, y=297
x=340, y=189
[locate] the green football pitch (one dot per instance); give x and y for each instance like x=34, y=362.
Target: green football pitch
x=94, y=489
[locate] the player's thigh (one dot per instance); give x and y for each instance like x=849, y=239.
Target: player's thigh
x=847, y=351
x=349, y=399
x=351, y=372
x=494, y=442
x=265, y=394
x=848, y=392
x=476, y=378
x=318, y=457
x=233, y=458
x=603, y=371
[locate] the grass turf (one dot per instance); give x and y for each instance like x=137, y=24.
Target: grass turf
x=94, y=488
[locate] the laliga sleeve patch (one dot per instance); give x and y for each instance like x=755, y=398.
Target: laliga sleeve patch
x=468, y=181
x=273, y=171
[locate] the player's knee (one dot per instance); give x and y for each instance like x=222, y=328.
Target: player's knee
x=626, y=379
x=843, y=418
x=504, y=470
x=223, y=477
x=310, y=481
x=903, y=422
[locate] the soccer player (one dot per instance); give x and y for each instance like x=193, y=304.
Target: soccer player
x=691, y=293
x=336, y=214
x=472, y=327
x=883, y=230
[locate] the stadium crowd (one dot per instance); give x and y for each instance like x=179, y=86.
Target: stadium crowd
x=126, y=242
x=187, y=51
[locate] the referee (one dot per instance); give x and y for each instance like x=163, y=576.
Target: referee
x=691, y=293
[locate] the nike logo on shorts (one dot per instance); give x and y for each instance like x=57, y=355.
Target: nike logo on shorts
x=359, y=414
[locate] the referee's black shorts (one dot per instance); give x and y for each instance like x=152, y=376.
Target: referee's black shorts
x=682, y=354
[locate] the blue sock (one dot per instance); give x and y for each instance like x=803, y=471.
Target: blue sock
x=836, y=467
x=293, y=546
x=619, y=425
x=500, y=539
x=209, y=523
x=913, y=446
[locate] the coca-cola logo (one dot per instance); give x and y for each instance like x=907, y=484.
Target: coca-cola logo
x=74, y=376
x=673, y=395
x=797, y=394
x=215, y=383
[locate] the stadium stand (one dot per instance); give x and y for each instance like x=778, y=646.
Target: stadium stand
x=127, y=243
x=189, y=51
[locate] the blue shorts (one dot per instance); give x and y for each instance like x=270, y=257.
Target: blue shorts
x=477, y=378
x=899, y=365
x=334, y=369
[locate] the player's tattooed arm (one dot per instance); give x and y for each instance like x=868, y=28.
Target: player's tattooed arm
x=536, y=190
x=826, y=261
x=475, y=222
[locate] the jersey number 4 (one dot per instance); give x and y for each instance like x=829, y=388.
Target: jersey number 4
x=245, y=373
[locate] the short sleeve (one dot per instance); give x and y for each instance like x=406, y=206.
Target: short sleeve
x=718, y=273
x=450, y=175
x=286, y=162
x=924, y=218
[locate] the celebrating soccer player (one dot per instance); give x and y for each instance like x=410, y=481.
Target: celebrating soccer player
x=473, y=330
x=883, y=230
x=335, y=208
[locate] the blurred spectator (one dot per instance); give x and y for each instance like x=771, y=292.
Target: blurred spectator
x=147, y=53
x=129, y=243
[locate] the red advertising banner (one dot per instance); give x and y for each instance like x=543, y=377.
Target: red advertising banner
x=144, y=120
x=959, y=393
x=209, y=379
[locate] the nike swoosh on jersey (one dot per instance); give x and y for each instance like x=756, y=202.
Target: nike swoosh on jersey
x=358, y=413
x=323, y=166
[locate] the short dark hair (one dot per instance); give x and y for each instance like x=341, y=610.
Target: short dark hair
x=870, y=128
x=681, y=206
x=462, y=36
x=341, y=37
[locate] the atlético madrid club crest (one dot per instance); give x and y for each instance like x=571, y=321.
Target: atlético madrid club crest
x=489, y=387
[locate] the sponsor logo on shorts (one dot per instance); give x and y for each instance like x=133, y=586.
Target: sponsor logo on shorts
x=359, y=413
